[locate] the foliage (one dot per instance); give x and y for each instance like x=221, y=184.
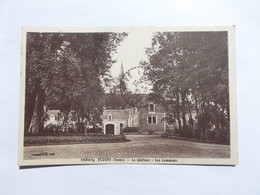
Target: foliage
x=94, y=130
x=113, y=98
x=42, y=139
x=131, y=130
x=53, y=128
x=189, y=73
x=66, y=71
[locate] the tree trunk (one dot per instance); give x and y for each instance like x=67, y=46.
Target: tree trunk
x=198, y=122
x=196, y=106
x=30, y=106
x=178, y=110
x=66, y=122
x=228, y=125
x=36, y=124
x=203, y=120
x=183, y=96
x=217, y=123
x=191, y=120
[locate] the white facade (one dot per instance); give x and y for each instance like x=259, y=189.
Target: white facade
x=115, y=120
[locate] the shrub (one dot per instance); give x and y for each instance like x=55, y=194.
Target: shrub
x=53, y=127
x=73, y=139
x=94, y=130
x=131, y=130
x=150, y=132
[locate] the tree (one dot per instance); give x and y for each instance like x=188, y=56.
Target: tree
x=113, y=98
x=40, y=56
x=189, y=72
x=65, y=71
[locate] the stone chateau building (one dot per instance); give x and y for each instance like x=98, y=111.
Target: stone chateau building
x=147, y=119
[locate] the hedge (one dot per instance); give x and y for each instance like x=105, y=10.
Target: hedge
x=77, y=139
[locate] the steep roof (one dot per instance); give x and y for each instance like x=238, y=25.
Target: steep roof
x=54, y=112
x=137, y=97
x=116, y=113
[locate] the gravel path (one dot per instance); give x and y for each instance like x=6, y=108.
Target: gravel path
x=143, y=146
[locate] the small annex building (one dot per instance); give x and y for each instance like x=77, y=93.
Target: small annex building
x=115, y=120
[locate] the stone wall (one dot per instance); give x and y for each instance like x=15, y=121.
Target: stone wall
x=151, y=128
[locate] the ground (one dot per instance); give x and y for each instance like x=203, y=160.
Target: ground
x=140, y=146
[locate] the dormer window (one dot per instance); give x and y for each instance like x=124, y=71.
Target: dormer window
x=52, y=117
x=109, y=117
x=151, y=107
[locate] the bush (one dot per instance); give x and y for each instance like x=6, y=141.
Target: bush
x=72, y=139
x=131, y=130
x=94, y=130
x=150, y=132
x=53, y=127
x=188, y=133
x=212, y=136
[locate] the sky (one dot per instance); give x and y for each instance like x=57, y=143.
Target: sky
x=129, y=54
x=131, y=51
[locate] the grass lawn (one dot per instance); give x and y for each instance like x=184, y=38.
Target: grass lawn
x=144, y=146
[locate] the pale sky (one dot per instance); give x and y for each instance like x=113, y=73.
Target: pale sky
x=131, y=51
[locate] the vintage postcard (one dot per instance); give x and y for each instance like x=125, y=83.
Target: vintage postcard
x=135, y=95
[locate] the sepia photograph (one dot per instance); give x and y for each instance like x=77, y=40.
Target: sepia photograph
x=131, y=95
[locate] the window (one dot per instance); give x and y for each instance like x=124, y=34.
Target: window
x=151, y=107
x=52, y=117
x=149, y=119
x=109, y=117
x=152, y=119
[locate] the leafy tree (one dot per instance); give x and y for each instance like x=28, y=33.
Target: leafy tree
x=113, y=98
x=65, y=71
x=189, y=72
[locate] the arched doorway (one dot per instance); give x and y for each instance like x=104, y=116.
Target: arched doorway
x=110, y=129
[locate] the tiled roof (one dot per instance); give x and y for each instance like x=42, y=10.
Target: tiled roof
x=54, y=112
x=116, y=113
